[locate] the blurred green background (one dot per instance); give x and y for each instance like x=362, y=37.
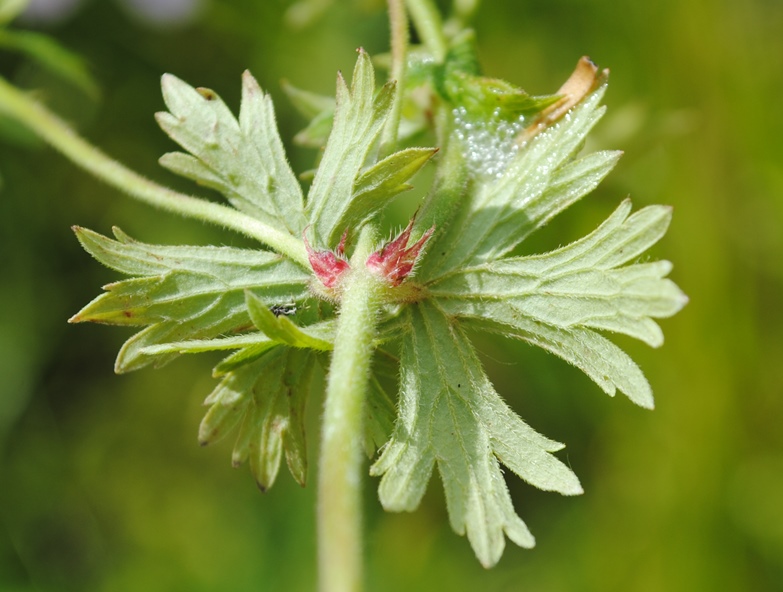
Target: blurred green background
x=102, y=484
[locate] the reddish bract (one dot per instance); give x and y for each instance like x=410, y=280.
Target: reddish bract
x=328, y=266
x=395, y=261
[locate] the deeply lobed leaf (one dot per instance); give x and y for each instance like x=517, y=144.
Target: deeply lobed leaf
x=242, y=158
x=358, y=119
x=542, y=180
x=185, y=292
x=267, y=399
x=194, y=299
x=556, y=299
x=376, y=187
x=450, y=415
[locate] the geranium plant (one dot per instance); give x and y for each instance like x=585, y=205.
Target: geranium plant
x=323, y=287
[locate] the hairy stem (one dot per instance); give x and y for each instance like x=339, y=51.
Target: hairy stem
x=428, y=24
x=398, y=23
x=59, y=135
x=339, y=479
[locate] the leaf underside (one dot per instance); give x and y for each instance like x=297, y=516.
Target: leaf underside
x=242, y=158
x=450, y=415
x=257, y=305
x=541, y=181
x=350, y=185
x=558, y=300
x=266, y=399
x=183, y=293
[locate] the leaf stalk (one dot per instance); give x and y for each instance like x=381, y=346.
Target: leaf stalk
x=398, y=24
x=427, y=21
x=60, y=136
x=340, y=478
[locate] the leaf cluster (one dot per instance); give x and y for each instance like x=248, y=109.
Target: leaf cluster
x=264, y=309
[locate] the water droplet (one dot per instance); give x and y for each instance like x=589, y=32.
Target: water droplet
x=488, y=143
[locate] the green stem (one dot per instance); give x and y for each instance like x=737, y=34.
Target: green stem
x=339, y=479
x=429, y=25
x=59, y=135
x=398, y=24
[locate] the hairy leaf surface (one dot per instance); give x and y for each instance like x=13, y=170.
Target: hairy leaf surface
x=184, y=292
x=539, y=183
x=358, y=119
x=450, y=415
x=267, y=399
x=555, y=300
x=243, y=159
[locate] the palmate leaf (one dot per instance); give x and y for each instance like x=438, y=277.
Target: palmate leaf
x=556, y=300
x=266, y=398
x=343, y=195
x=193, y=299
x=542, y=180
x=450, y=415
x=242, y=158
x=183, y=293
x=358, y=119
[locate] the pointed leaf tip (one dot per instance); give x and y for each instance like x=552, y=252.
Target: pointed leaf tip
x=468, y=429
x=395, y=261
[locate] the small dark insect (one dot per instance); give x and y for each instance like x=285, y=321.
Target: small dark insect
x=285, y=310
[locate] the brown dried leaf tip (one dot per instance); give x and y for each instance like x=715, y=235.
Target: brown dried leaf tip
x=583, y=80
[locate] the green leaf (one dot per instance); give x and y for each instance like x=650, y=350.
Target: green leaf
x=450, y=414
x=48, y=53
x=281, y=329
x=485, y=97
x=267, y=398
x=381, y=183
x=358, y=121
x=379, y=417
x=243, y=159
x=251, y=346
x=318, y=109
x=379, y=409
x=604, y=363
x=541, y=181
x=308, y=104
x=185, y=292
x=197, y=346
x=556, y=299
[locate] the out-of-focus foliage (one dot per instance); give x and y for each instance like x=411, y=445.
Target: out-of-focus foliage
x=102, y=484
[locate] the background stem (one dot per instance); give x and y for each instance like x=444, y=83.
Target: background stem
x=398, y=24
x=427, y=21
x=59, y=135
x=339, y=478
